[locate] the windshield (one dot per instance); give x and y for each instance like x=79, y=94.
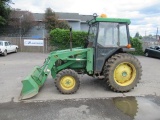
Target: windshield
x=1, y=43
x=112, y=34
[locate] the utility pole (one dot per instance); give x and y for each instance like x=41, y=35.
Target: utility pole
x=20, y=31
x=157, y=33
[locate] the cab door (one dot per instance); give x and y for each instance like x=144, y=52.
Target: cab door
x=111, y=38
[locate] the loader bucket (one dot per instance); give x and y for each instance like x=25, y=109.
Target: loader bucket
x=32, y=83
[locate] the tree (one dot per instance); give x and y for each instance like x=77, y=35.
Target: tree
x=137, y=44
x=137, y=35
x=18, y=21
x=52, y=21
x=21, y=19
x=4, y=11
x=62, y=24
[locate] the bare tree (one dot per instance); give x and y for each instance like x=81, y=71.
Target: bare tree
x=21, y=20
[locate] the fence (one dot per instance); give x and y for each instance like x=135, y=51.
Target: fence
x=22, y=48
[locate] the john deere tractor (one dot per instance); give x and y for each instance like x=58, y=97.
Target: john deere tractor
x=105, y=55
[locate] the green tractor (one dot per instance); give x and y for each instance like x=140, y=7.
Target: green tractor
x=103, y=56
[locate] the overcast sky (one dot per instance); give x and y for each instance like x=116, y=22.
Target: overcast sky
x=144, y=14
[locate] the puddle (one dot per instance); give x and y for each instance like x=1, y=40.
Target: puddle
x=119, y=108
x=138, y=108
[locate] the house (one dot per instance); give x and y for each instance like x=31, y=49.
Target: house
x=32, y=25
x=75, y=20
x=150, y=40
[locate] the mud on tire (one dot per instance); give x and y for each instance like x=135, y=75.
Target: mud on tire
x=122, y=72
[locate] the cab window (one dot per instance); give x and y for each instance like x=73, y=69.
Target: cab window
x=112, y=34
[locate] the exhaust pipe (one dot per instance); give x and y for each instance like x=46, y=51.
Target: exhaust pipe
x=70, y=39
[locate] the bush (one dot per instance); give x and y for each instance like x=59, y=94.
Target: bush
x=60, y=38
x=137, y=44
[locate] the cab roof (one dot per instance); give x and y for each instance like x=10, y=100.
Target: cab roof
x=117, y=20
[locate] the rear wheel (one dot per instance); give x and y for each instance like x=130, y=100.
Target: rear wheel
x=146, y=54
x=67, y=81
x=122, y=72
x=16, y=50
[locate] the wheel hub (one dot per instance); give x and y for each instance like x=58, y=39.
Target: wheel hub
x=67, y=82
x=124, y=74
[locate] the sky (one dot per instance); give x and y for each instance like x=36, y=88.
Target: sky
x=144, y=14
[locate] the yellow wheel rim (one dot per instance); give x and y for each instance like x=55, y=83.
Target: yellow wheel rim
x=67, y=82
x=124, y=74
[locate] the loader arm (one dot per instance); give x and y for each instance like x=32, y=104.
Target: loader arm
x=35, y=80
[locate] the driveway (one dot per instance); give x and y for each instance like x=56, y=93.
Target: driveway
x=14, y=67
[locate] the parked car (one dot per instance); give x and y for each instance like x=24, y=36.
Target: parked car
x=153, y=51
x=6, y=47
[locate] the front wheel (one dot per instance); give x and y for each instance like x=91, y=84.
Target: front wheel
x=146, y=54
x=5, y=53
x=67, y=81
x=122, y=72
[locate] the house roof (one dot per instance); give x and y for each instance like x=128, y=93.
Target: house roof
x=65, y=16
x=86, y=17
x=17, y=13
x=74, y=16
x=38, y=16
x=60, y=15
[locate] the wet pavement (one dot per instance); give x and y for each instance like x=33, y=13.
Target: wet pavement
x=93, y=101
x=119, y=108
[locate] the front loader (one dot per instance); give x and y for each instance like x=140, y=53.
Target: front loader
x=104, y=56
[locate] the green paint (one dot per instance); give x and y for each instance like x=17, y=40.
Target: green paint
x=116, y=20
x=36, y=79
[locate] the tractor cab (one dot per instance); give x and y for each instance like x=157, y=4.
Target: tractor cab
x=107, y=36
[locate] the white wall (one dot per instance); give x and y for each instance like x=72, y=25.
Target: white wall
x=75, y=25
x=84, y=27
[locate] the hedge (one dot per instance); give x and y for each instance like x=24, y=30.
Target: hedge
x=60, y=38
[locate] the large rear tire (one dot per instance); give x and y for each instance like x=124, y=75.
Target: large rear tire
x=67, y=81
x=122, y=72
